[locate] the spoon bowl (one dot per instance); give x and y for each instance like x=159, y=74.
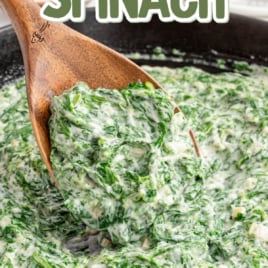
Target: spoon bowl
x=55, y=58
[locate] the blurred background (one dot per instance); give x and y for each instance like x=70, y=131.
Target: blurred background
x=254, y=8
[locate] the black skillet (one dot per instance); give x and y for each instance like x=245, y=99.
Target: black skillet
x=204, y=45
x=242, y=39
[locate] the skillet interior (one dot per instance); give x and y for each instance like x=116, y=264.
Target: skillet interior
x=241, y=39
x=204, y=44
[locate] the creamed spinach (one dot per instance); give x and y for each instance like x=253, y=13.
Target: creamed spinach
x=126, y=166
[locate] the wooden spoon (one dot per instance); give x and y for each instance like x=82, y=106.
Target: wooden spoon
x=55, y=58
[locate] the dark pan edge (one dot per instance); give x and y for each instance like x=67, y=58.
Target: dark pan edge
x=242, y=39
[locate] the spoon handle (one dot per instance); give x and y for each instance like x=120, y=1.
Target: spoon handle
x=34, y=39
x=25, y=18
